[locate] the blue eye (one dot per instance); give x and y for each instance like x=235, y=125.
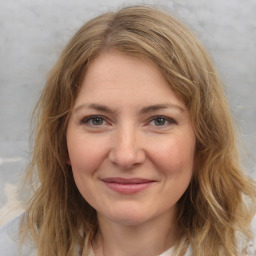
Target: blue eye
x=94, y=121
x=161, y=121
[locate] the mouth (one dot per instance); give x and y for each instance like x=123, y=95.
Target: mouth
x=127, y=186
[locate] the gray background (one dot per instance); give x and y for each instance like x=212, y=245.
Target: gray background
x=33, y=32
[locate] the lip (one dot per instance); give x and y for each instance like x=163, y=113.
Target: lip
x=127, y=186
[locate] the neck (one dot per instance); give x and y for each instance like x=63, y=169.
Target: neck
x=150, y=238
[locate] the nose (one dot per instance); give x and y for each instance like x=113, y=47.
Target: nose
x=127, y=151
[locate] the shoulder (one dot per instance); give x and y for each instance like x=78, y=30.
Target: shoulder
x=244, y=246
x=251, y=250
x=251, y=245
x=9, y=240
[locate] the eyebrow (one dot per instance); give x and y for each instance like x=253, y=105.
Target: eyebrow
x=95, y=106
x=144, y=110
x=157, y=107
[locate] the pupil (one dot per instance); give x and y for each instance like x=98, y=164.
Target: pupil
x=97, y=121
x=160, y=121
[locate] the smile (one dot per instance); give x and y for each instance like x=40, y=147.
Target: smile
x=127, y=186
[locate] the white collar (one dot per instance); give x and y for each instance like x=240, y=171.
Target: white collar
x=169, y=252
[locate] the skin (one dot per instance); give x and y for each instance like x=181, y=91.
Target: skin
x=128, y=123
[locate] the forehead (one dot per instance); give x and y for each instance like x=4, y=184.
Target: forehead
x=115, y=75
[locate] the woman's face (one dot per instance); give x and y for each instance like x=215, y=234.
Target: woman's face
x=130, y=140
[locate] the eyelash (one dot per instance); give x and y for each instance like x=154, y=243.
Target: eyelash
x=86, y=120
x=166, y=120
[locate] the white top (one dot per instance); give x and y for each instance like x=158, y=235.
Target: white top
x=169, y=252
x=9, y=242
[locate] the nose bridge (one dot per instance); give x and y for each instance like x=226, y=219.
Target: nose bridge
x=126, y=150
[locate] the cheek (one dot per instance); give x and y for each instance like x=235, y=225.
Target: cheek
x=83, y=155
x=175, y=162
x=86, y=153
x=175, y=155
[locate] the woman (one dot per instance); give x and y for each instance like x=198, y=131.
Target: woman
x=135, y=150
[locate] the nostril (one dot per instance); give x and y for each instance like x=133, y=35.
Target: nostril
x=126, y=151
x=126, y=159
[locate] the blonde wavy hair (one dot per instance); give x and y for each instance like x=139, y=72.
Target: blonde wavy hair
x=220, y=200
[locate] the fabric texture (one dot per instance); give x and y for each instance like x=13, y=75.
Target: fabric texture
x=169, y=252
x=9, y=245
x=9, y=241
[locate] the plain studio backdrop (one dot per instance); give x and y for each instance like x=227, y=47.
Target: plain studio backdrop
x=33, y=32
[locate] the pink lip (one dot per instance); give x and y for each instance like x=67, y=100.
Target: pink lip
x=127, y=186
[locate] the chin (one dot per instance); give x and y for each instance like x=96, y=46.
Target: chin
x=129, y=217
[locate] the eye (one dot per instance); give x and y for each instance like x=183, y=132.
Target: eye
x=161, y=121
x=94, y=121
